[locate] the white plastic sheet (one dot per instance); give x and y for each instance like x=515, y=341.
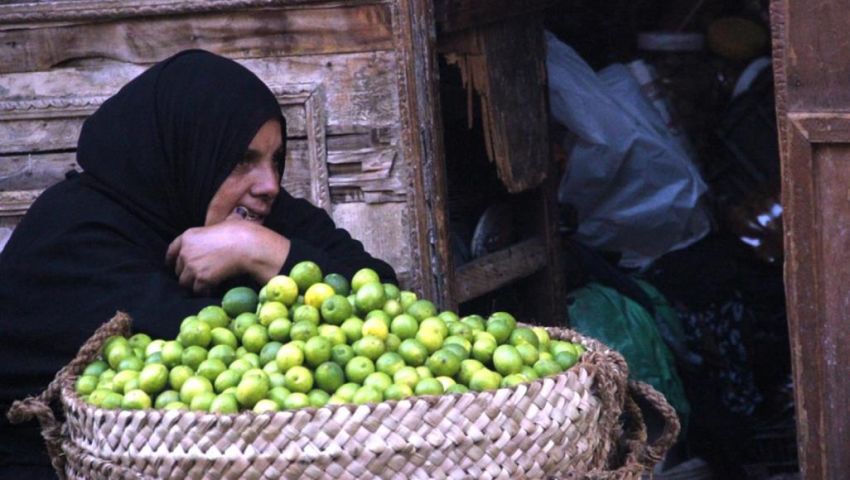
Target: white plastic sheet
x=635, y=189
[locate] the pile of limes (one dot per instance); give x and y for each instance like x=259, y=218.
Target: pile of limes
x=308, y=340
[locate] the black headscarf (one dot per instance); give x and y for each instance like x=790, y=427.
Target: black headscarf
x=164, y=144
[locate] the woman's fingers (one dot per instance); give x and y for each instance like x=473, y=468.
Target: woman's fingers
x=173, y=250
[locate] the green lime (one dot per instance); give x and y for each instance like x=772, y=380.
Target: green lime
x=421, y=309
x=210, y=368
x=225, y=353
x=341, y=354
x=214, y=316
x=305, y=274
x=318, y=398
x=428, y=386
x=194, y=386
x=366, y=394
x=239, y=300
x=317, y=350
x=95, y=368
x=224, y=403
x=224, y=336
x=339, y=283
x=406, y=376
x=193, y=356
x=329, y=377
x=85, y=385
x=358, y=368
x=397, y=392
x=202, y=402
x=443, y=362
x=336, y=309
x=166, y=397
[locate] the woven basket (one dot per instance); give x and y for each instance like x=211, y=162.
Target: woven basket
x=569, y=425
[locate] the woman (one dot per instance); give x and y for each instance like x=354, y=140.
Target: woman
x=178, y=201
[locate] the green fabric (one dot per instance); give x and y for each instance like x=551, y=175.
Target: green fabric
x=622, y=324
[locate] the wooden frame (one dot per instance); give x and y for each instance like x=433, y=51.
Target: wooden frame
x=812, y=78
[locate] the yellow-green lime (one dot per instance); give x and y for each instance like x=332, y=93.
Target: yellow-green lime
x=362, y=277
x=306, y=313
x=271, y=311
x=485, y=379
x=95, y=368
x=210, y=368
x=178, y=376
x=528, y=352
x=406, y=376
x=227, y=379
x=443, y=362
x=467, y=369
x=333, y=333
x=193, y=386
x=299, y=379
x=135, y=400
x=214, y=316
x=279, y=330
x=317, y=294
x=85, y=385
x=407, y=298
x=251, y=389
x=224, y=336
x=283, y=289
x=353, y=329
x=289, y=356
x=153, y=378
x=370, y=347
x=346, y=391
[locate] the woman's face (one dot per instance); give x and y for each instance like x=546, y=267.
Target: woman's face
x=254, y=183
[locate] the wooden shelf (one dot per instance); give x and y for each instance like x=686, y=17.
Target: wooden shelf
x=493, y=271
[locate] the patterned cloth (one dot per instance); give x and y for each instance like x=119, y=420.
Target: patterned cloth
x=717, y=333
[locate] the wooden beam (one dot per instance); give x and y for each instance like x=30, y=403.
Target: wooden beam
x=498, y=269
x=454, y=15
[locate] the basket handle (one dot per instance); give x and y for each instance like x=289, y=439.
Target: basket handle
x=654, y=452
x=39, y=406
x=638, y=456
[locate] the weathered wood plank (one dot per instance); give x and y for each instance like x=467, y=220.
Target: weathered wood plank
x=29, y=172
x=510, y=78
x=41, y=11
x=419, y=106
x=812, y=80
x=454, y=15
x=239, y=34
x=493, y=271
x=44, y=110
x=383, y=230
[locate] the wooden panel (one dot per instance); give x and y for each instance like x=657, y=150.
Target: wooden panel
x=419, y=106
x=812, y=76
x=493, y=271
x=509, y=75
x=383, y=229
x=239, y=34
x=453, y=15
x=32, y=172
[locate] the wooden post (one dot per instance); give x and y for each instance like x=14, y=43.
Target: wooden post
x=812, y=73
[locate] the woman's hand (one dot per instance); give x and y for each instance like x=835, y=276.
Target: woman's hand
x=204, y=257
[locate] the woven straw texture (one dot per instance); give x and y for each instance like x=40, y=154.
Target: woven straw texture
x=564, y=426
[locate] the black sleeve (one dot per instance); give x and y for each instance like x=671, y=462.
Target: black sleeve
x=314, y=236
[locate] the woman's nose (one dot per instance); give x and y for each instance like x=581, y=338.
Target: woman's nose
x=267, y=182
